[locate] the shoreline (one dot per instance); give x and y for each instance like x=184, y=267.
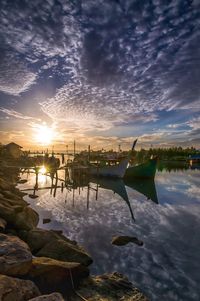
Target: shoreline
x=46, y=260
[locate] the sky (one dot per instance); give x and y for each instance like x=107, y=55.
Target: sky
x=101, y=72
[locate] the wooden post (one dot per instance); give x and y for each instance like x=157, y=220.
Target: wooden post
x=88, y=196
x=74, y=148
x=89, y=153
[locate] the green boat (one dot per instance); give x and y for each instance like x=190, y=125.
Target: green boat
x=144, y=170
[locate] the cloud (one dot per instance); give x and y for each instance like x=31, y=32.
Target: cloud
x=15, y=77
x=15, y=114
x=145, y=65
x=114, y=63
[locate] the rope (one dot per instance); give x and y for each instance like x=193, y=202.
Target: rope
x=72, y=282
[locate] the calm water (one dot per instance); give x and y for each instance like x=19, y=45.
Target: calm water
x=167, y=266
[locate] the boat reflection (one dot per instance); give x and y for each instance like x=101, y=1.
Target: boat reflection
x=69, y=185
x=116, y=185
x=146, y=187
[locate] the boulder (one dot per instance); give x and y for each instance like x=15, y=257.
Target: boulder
x=64, y=251
x=22, y=181
x=12, y=196
x=13, y=289
x=27, y=219
x=46, y=220
x=51, y=297
x=124, y=240
x=17, y=200
x=56, y=274
x=4, y=185
x=15, y=256
x=8, y=212
x=109, y=287
x=38, y=238
x=3, y=224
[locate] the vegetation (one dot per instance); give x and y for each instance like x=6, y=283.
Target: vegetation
x=172, y=153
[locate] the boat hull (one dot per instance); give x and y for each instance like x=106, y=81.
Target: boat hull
x=117, y=171
x=145, y=170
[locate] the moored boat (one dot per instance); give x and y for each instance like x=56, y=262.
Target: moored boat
x=118, y=170
x=104, y=168
x=144, y=170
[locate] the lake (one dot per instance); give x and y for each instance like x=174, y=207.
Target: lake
x=165, y=215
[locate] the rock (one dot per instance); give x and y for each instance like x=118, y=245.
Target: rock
x=4, y=185
x=38, y=238
x=46, y=220
x=54, y=274
x=8, y=212
x=3, y=224
x=124, y=240
x=12, y=196
x=27, y=219
x=64, y=251
x=33, y=196
x=15, y=256
x=21, y=181
x=109, y=287
x=13, y=201
x=51, y=297
x=13, y=289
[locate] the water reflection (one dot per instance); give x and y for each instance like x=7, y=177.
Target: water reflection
x=62, y=181
x=93, y=211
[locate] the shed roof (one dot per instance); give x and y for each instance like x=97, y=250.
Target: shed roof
x=13, y=144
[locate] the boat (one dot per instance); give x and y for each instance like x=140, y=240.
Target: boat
x=117, y=170
x=144, y=170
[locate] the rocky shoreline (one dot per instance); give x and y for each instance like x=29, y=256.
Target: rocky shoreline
x=38, y=264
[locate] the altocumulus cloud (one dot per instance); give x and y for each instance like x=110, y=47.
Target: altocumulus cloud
x=117, y=60
x=137, y=58
x=15, y=78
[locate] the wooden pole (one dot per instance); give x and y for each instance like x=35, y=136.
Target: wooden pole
x=89, y=153
x=74, y=148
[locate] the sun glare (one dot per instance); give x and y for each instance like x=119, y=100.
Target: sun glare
x=44, y=134
x=42, y=170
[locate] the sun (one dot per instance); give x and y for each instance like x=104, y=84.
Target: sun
x=44, y=134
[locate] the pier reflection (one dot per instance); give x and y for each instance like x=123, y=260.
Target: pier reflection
x=68, y=185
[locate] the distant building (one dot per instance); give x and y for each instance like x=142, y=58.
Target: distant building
x=13, y=150
x=194, y=159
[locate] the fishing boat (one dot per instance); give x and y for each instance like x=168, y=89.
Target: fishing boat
x=116, y=170
x=144, y=170
x=103, y=168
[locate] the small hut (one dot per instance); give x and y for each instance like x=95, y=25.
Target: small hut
x=13, y=150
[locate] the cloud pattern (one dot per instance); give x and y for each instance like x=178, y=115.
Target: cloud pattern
x=121, y=63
